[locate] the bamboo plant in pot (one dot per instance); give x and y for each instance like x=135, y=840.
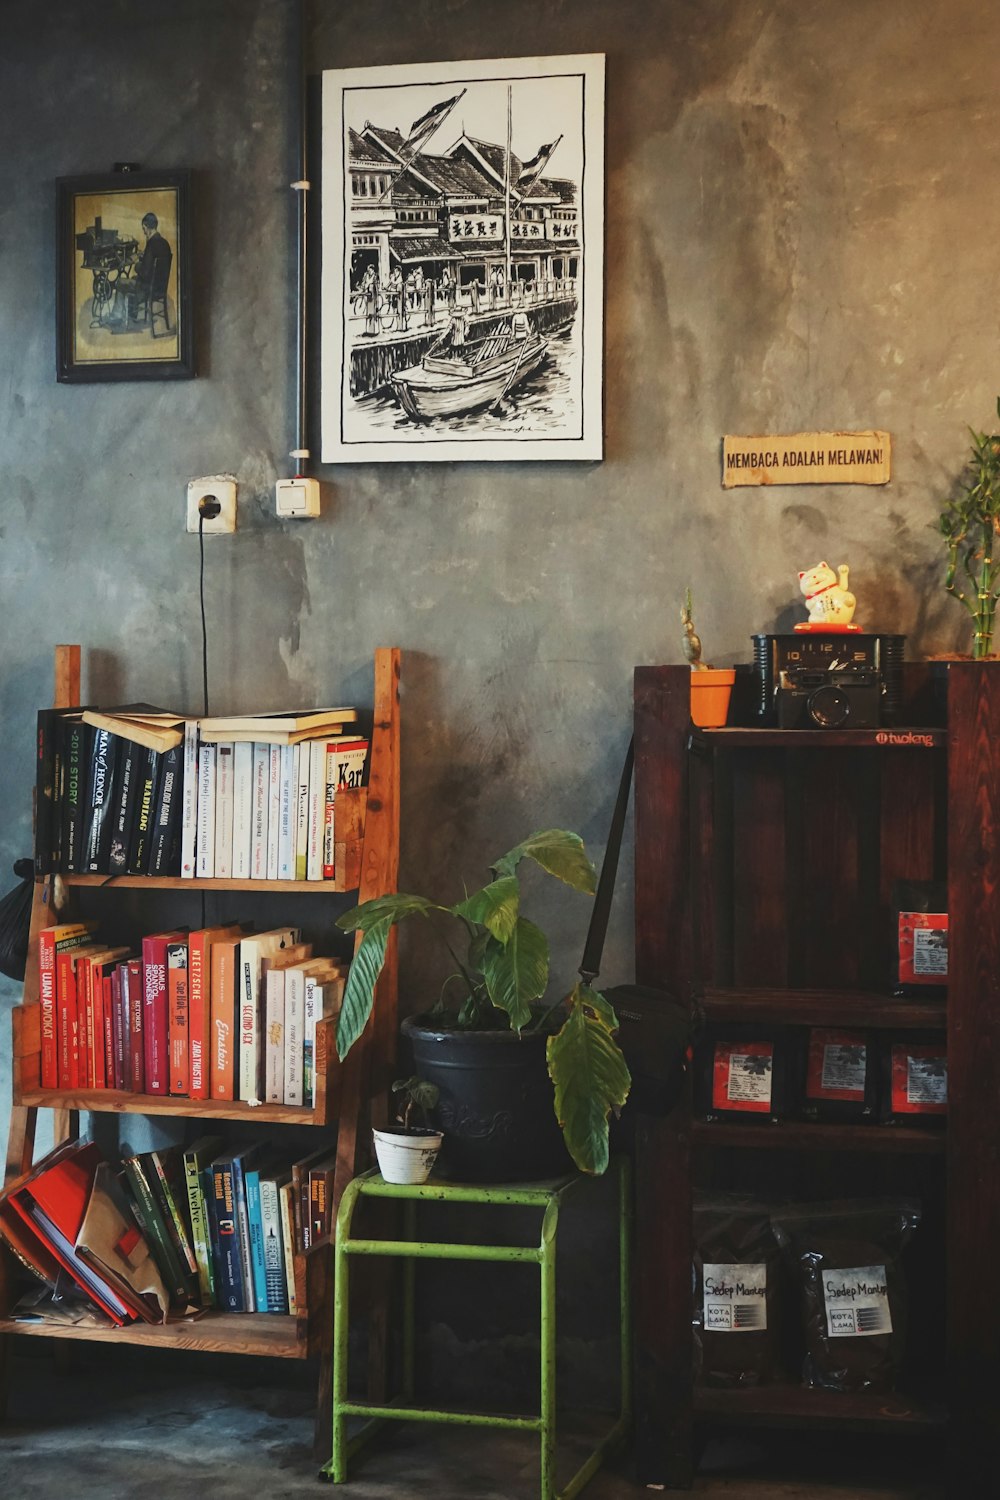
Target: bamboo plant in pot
x=512, y=1070
x=969, y=524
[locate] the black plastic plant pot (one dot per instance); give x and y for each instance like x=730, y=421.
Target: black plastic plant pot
x=495, y=1105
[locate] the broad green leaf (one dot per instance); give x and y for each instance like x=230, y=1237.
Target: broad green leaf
x=359, y=995
x=559, y=853
x=392, y=908
x=590, y=1078
x=494, y=907
x=596, y=1002
x=517, y=972
x=477, y=951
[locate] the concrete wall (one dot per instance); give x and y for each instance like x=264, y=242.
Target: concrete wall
x=802, y=233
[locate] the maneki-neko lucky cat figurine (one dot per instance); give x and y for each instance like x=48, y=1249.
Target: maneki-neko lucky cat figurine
x=828, y=599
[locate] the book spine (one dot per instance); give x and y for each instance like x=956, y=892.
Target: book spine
x=75, y=753
x=177, y=1227
x=320, y=1200
x=345, y=767
x=85, y=1006
x=134, y=990
x=249, y=1023
x=226, y=1239
x=274, y=1036
x=205, y=854
x=189, y=800
x=287, y=789
x=177, y=1013
x=198, y=1014
x=123, y=808
x=317, y=805
x=288, y=1244
x=155, y=1031
x=302, y=811
x=258, y=831
x=119, y=1012
x=243, y=1233
x=164, y=844
x=200, y=1238
x=275, y=1289
x=294, y=1025
x=242, y=809
x=255, y=1224
x=224, y=807
x=154, y=1229
x=108, y=1027
x=67, y=1022
x=150, y=769
x=101, y=790
x=45, y=789
x=223, y=1011
x=47, y=1007
x=273, y=811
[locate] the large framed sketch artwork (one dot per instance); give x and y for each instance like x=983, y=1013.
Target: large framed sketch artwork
x=123, y=255
x=463, y=261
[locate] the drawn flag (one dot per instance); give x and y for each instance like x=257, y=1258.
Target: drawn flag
x=422, y=129
x=534, y=168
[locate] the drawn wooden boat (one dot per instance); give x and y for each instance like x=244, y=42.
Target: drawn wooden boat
x=456, y=377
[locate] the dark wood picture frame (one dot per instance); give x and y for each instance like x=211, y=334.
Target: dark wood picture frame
x=123, y=266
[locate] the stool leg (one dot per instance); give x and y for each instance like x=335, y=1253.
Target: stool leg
x=409, y=1302
x=341, y=1326
x=547, y=1268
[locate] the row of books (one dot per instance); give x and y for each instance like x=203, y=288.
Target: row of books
x=172, y=1231
x=121, y=795
x=218, y=1013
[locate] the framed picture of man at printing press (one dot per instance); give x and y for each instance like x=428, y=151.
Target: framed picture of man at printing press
x=123, y=259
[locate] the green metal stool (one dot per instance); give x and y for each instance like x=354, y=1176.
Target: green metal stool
x=548, y=1196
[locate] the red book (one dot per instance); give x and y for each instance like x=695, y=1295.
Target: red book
x=177, y=1012
x=68, y=1014
x=223, y=1013
x=119, y=1016
x=95, y=999
x=155, y=1032
x=132, y=995
x=200, y=946
x=107, y=979
x=51, y=942
x=85, y=1006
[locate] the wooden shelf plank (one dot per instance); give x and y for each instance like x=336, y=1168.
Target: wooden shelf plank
x=176, y=883
x=113, y=1101
x=794, y=1406
x=806, y=1007
x=902, y=737
x=221, y=1333
x=807, y=1135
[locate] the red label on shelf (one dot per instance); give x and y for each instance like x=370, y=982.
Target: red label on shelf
x=919, y=1080
x=741, y=1076
x=838, y=1065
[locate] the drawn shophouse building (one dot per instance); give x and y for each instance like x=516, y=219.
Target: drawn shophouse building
x=429, y=214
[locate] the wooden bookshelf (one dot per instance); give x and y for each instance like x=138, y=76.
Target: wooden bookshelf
x=348, y=1097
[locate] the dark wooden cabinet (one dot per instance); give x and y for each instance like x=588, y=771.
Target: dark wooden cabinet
x=765, y=862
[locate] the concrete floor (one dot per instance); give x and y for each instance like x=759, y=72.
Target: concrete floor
x=127, y=1423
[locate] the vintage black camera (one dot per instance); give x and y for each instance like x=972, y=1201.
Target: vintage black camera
x=828, y=681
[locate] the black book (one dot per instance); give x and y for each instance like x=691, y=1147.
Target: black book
x=148, y=762
x=46, y=786
x=165, y=845
x=75, y=759
x=100, y=801
x=124, y=806
x=224, y=1233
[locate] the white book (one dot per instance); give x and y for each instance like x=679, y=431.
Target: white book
x=242, y=810
x=274, y=1036
x=254, y=947
x=322, y=997
x=258, y=829
x=287, y=789
x=302, y=811
x=288, y=1244
x=273, y=810
x=274, y=1249
x=189, y=804
x=295, y=1010
x=317, y=808
x=205, y=851
x=223, y=810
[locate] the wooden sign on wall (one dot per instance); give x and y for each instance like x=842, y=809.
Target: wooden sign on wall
x=806, y=458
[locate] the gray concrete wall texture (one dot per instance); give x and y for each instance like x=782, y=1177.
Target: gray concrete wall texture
x=801, y=234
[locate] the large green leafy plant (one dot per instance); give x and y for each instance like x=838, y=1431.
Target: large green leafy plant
x=502, y=977
x=970, y=524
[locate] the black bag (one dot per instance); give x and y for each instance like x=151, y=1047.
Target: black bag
x=15, y=920
x=654, y=1029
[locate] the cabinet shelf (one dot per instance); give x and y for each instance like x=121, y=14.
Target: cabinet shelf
x=808, y=1135
x=812, y=1007
x=178, y=883
x=786, y=1405
x=906, y=738
x=250, y=1334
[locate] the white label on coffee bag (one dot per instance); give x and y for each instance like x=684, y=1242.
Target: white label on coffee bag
x=857, y=1302
x=930, y=950
x=749, y=1078
x=926, y=1080
x=735, y=1298
x=844, y=1067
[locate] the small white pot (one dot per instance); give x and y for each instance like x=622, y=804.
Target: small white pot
x=406, y=1158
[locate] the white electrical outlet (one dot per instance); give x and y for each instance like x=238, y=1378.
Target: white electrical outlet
x=297, y=499
x=223, y=487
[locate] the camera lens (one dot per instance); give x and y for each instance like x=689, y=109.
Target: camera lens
x=829, y=707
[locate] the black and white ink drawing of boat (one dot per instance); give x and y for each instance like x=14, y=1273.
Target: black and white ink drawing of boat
x=457, y=376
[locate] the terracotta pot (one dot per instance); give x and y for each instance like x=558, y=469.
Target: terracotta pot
x=710, y=692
